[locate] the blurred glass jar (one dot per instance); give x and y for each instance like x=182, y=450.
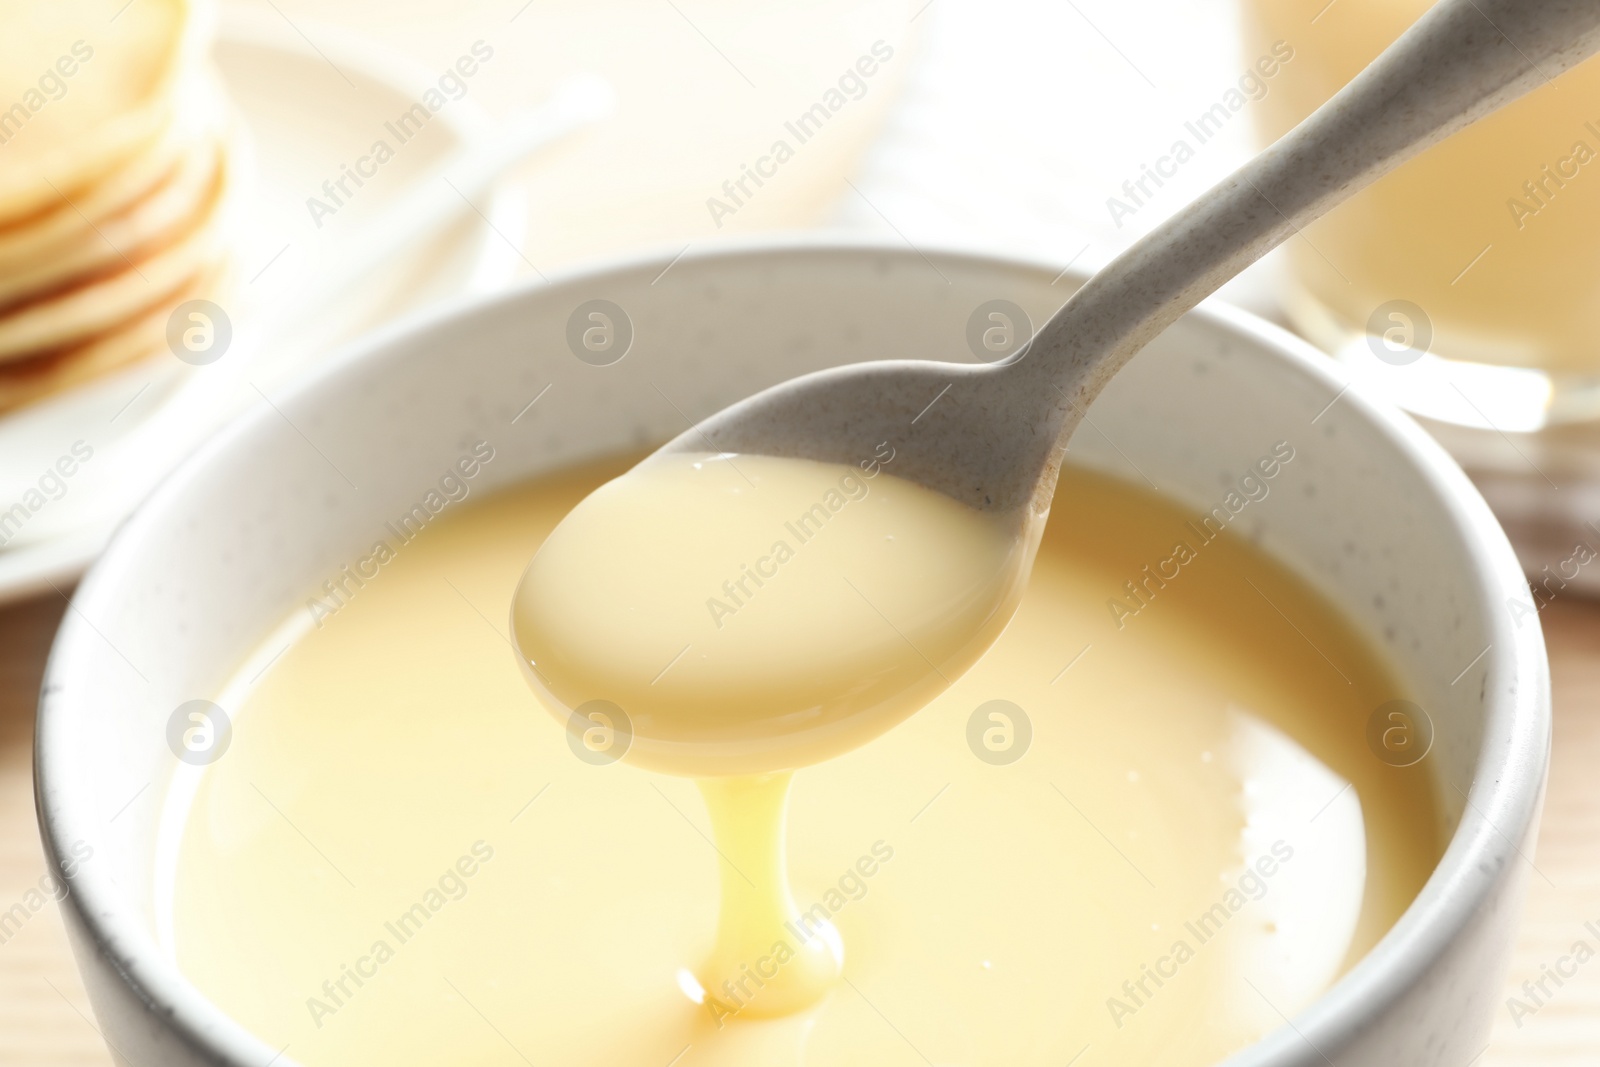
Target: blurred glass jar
x=1476, y=266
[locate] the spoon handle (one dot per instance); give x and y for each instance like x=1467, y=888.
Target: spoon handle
x=1462, y=60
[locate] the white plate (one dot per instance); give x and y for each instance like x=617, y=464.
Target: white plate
x=308, y=110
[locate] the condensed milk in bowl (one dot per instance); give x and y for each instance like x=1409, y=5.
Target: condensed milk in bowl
x=1244, y=769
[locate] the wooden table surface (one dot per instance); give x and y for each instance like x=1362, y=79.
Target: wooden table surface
x=45, y=1019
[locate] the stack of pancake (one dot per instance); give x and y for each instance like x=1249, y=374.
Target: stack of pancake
x=119, y=167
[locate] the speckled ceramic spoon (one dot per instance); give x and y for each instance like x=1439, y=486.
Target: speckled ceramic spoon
x=1001, y=429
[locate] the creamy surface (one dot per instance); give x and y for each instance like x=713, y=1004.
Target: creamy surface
x=749, y=614
x=400, y=858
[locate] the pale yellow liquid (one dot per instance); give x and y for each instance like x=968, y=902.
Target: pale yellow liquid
x=1533, y=299
x=742, y=615
x=751, y=614
x=1093, y=893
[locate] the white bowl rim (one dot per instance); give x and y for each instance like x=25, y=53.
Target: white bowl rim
x=1506, y=790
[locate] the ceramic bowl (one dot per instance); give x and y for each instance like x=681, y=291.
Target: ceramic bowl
x=1379, y=519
